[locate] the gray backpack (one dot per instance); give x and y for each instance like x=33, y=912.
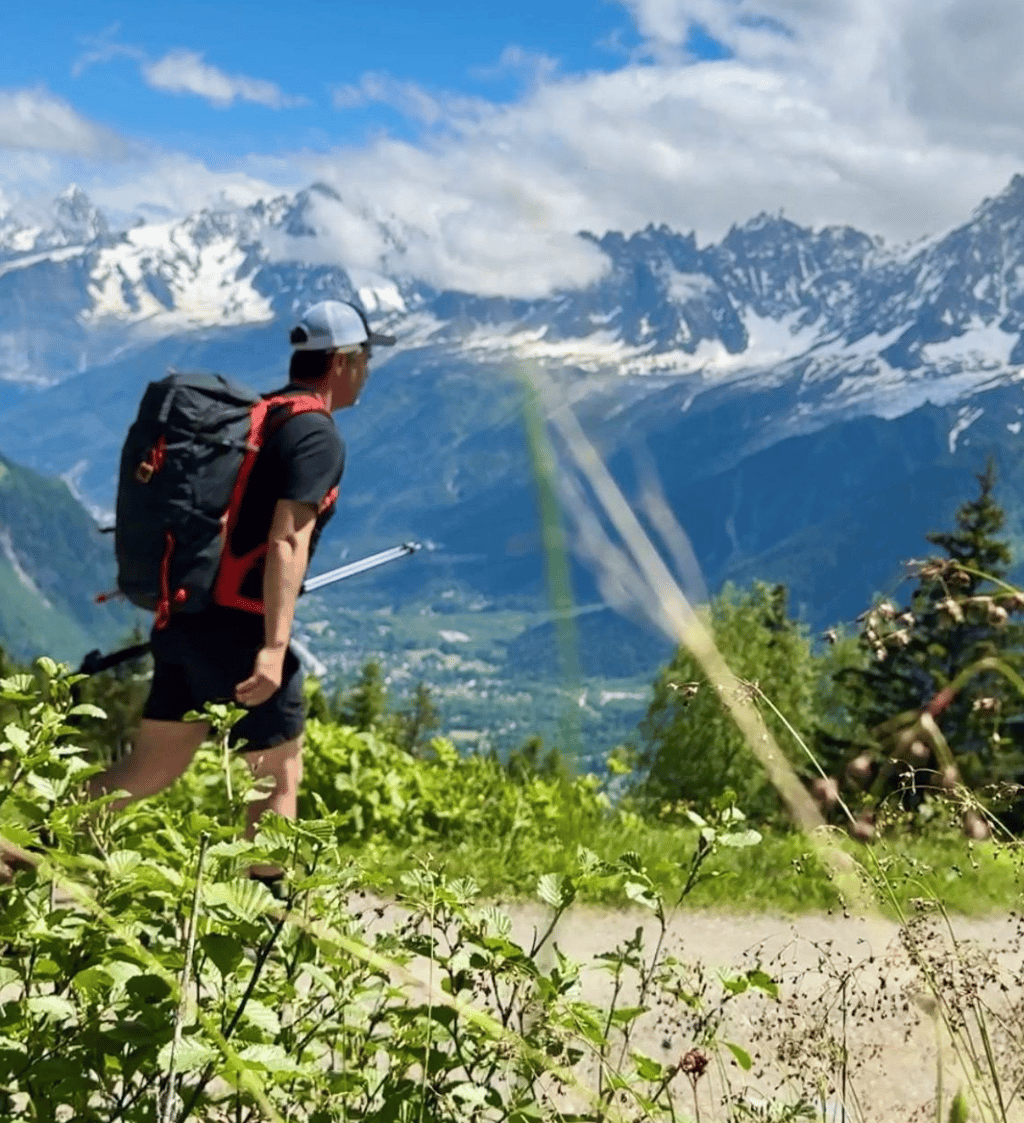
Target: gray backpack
x=184, y=468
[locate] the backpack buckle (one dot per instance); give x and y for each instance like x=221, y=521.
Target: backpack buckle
x=144, y=472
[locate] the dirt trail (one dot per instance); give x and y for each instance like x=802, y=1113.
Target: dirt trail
x=840, y=979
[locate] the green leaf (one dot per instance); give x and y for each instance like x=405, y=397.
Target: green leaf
x=469, y=1094
x=738, y=985
x=87, y=709
x=17, y=737
x=741, y=1055
x=319, y=975
x=190, y=1055
x=51, y=1006
x=959, y=1110
x=92, y=981
x=225, y=951
x=43, y=786
x=19, y=684
x=549, y=889
x=697, y=820
x=642, y=895
x=740, y=839
x=647, y=1067
x=626, y=1014
x=48, y=666
x=262, y=1017
x=230, y=849
x=764, y=982
x=243, y=896
x=120, y=863
x=271, y=1057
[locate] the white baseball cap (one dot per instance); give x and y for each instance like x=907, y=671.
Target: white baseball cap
x=335, y=325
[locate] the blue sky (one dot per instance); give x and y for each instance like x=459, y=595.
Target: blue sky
x=487, y=137
x=93, y=56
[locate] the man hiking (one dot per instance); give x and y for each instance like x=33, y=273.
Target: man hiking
x=237, y=649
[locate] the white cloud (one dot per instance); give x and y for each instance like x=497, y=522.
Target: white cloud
x=170, y=185
x=186, y=72
x=37, y=121
x=896, y=116
x=878, y=113
x=457, y=243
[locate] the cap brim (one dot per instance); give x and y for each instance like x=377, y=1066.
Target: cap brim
x=379, y=340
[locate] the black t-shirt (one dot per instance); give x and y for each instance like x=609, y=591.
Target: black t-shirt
x=303, y=461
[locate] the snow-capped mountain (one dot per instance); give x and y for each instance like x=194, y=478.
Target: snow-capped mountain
x=856, y=325
x=719, y=357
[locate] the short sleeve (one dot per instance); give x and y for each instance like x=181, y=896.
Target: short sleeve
x=311, y=455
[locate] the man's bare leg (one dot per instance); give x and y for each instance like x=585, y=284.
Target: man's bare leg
x=161, y=753
x=283, y=764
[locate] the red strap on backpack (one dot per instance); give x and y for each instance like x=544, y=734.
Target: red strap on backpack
x=234, y=568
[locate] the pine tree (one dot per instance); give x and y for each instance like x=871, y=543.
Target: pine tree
x=366, y=704
x=413, y=726
x=960, y=612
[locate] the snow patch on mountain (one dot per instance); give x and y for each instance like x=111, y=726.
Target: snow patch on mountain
x=987, y=345
x=8, y=552
x=164, y=275
x=964, y=420
x=29, y=260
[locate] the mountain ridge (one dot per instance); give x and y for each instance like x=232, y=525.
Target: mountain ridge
x=716, y=357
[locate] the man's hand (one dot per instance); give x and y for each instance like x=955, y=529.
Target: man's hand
x=265, y=678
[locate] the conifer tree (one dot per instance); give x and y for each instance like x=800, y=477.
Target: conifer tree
x=366, y=704
x=960, y=612
x=414, y=725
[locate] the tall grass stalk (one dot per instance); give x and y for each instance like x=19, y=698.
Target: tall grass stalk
x=637, y=565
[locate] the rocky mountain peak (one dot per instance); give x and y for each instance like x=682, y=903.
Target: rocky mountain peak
x=76, y=220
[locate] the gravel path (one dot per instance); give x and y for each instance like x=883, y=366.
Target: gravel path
x=840, y=980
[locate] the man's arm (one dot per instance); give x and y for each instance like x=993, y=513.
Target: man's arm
x=285, y=569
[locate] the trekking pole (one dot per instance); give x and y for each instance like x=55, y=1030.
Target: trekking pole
x=95, y=662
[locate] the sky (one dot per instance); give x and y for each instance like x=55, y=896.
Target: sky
x=489, y=135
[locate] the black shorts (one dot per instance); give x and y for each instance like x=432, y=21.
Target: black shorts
x=202, y=657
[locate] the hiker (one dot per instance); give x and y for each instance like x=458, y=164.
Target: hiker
x=237, y=649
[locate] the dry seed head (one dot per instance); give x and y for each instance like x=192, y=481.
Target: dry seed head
x=907, y=619
x=1015, y=602
x=931, y=569
x=830, y=636
x=997, y=615
x=901, y=637
x=951, y=609
x=988, y=704
x=886, y=609
x=694, y=1064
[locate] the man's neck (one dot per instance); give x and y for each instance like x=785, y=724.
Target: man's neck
x=323, y=393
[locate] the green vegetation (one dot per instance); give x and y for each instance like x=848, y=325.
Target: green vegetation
x=145, y=977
